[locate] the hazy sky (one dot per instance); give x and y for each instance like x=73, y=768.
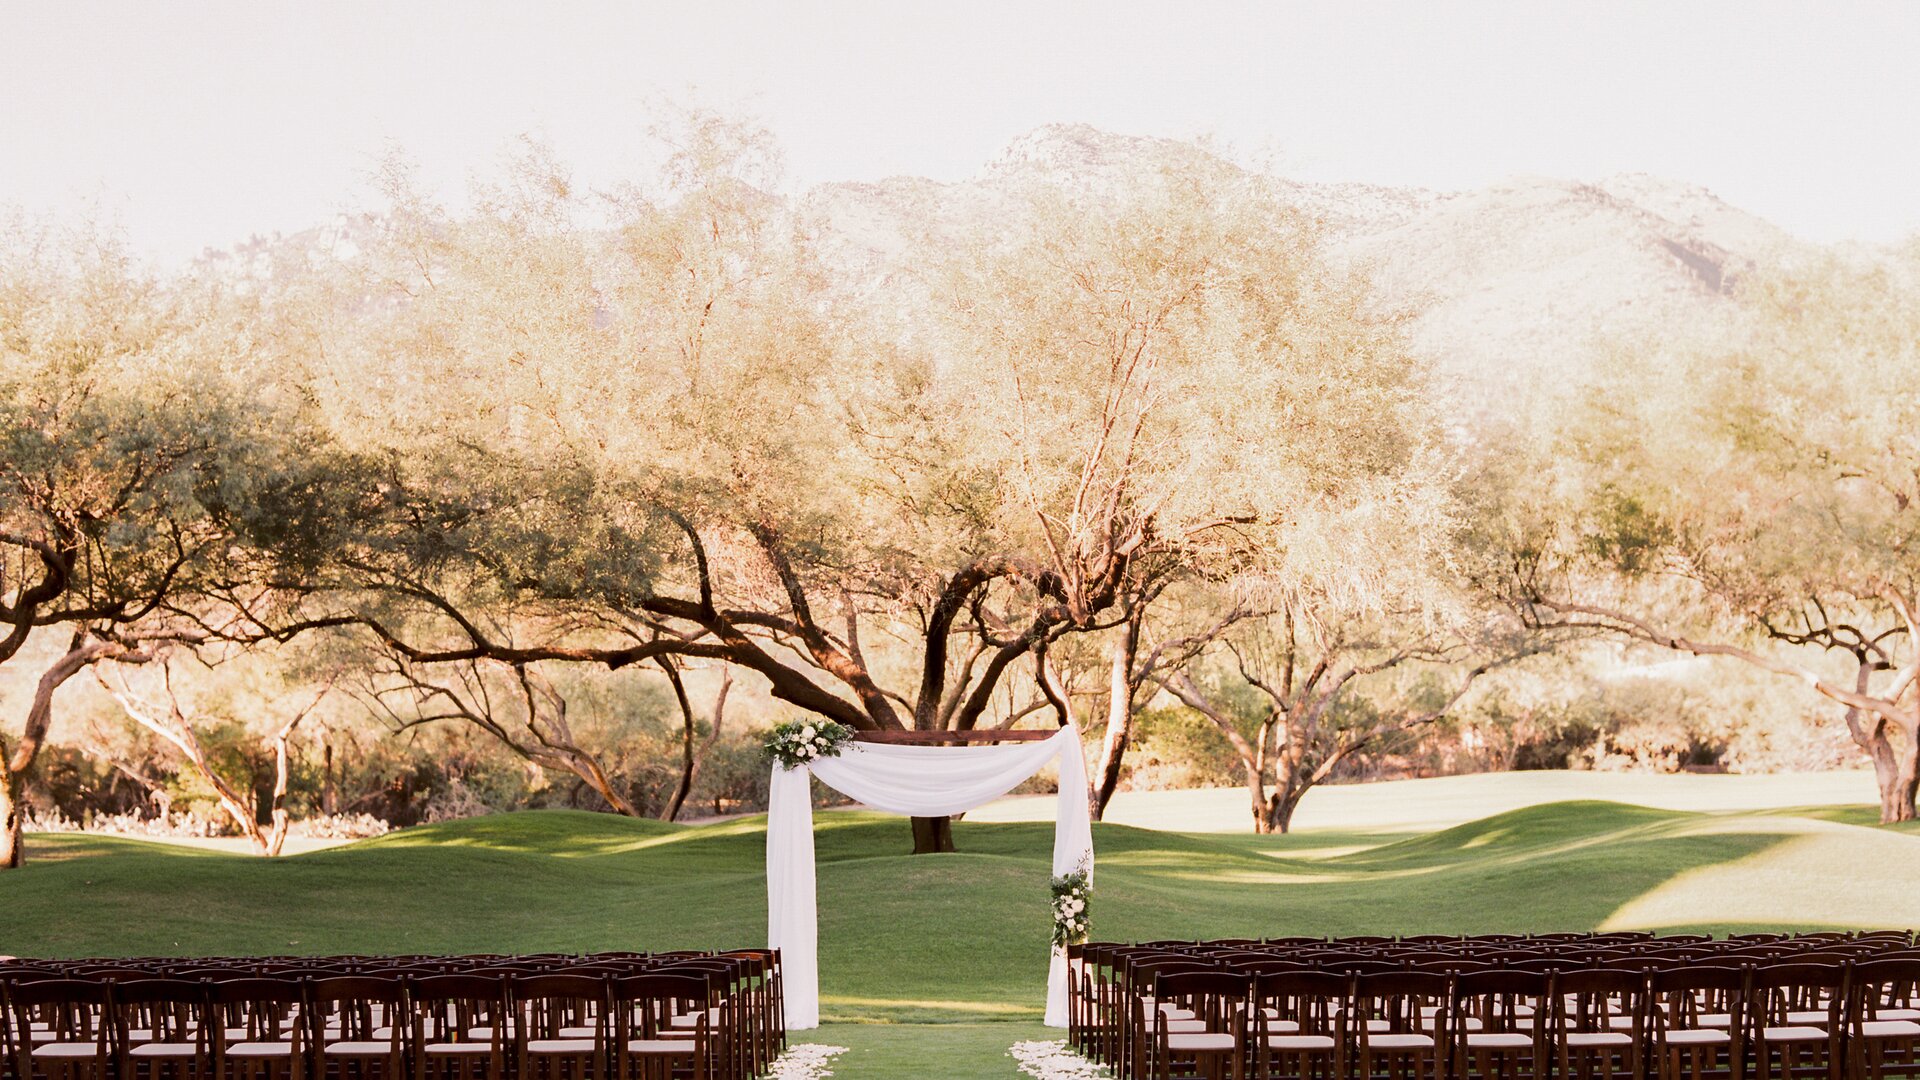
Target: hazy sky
x=196, y=124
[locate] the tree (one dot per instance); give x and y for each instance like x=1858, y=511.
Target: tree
x=1749, y=492
x=661, y=430
x=1318, y=685
x=163, y=712
x=139, y=467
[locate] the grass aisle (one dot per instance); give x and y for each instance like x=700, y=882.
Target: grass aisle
x=935, y=1051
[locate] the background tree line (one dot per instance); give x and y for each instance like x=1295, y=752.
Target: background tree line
x=555, y=497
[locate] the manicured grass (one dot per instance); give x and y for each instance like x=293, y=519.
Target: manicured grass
x=959, y=941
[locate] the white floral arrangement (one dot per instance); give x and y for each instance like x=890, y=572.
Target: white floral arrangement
x=1072, y=893
x=798, y=742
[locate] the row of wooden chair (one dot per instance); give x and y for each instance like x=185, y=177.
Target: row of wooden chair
x=678, y=1016
x=1835, y=1006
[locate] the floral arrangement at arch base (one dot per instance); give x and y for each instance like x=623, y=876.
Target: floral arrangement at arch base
x=798, y=742
x=1072, y=893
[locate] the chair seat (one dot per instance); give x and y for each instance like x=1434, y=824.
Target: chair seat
x=1809, y=1016
x=1889, y=1029
x=66, y=1050
x=457, y=1049
x=559, y=1046
x=579, y=1031
x=1598, y=1038
x=260, y=1049
x=1400, y=1041
x=360, y=1048
x=1793, y=1033
x=1200, y=1041
x=485, y=1032
x=1185, y=1027
x=1714, y=1020
x=1500, y=1040
x=1696, y=1037
x=164, y=1050
x=1300, y=1042
x=1897, y=1014
x=1284, y=1027
x=669, y=1047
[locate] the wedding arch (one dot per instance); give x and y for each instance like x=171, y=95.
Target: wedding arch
x=919, y=780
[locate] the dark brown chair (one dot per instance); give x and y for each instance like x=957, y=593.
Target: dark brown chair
x=356, y=1028
x=1400, y=1025
x=61, y=1029
x=1595, y=1024
x=256, y=1029
x=1883, y=1019
x=647, y=1044
x=1699, y=1021
x=461, y=1027
x=1298, y=1029
x=1795, y=1024
x=561, y=1027
x=1217, y=1002
x=1494, y=1024
x=160, y=1030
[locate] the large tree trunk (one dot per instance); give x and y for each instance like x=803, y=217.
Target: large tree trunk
x=1113, y=750
x=1899, y=784
x=1894, y=768
x=1290, y=783
x=1280, y=808
x=13, y=813
x=17, y=761
x=932, y=835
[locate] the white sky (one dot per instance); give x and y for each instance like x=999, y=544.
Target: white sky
x=197, y=124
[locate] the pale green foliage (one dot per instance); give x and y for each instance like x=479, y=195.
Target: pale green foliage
x=1770, y=459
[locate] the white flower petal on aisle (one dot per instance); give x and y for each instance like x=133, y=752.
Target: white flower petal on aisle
x=1051, y=1060
x=805, y=1061
x=918, y=781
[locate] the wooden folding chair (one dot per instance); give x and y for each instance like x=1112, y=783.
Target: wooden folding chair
x=1218, y=1003
x=1795, y=1025
x=256, y=1028
x=61, y=1029
x=1883, y=1018
x=1298, y=1028
x=1595, y=1023
x=1400, y=1025
x=1699, y=1021
x=461, y=1027
x=562, y=1030
x=357, y=1027
x=647, y=1044
x=1494, y=1024
x=160, y=1030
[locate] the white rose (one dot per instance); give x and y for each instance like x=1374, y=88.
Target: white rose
x=807, y=732
x=806, y=751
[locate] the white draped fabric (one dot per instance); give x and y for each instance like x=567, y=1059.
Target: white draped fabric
x=919, y=781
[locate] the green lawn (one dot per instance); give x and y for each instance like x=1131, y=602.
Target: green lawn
x=955, y=945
